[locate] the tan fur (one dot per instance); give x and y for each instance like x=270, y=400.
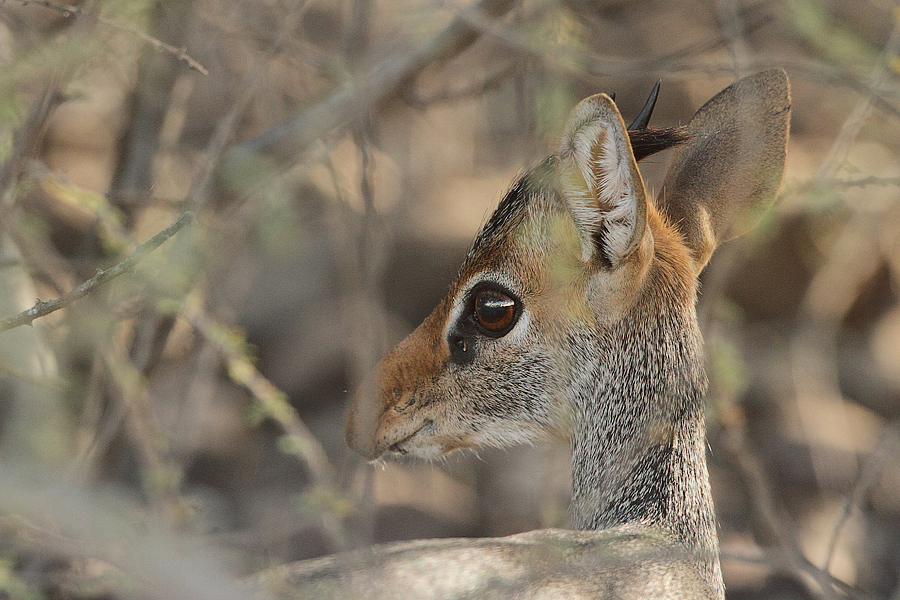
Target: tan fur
x=604, y=346
x=740, y=143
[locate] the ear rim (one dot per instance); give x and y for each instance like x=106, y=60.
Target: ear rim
x=610, y=232
x=707, y=213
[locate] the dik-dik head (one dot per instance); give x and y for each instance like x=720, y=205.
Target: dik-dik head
x=574, y=250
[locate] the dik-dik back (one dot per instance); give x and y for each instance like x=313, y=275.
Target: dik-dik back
x=573, y=314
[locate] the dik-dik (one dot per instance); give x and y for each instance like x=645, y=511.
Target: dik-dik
x=574, y=314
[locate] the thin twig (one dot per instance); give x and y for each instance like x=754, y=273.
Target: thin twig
x=285, y=141
x=869, y=474
x=470, y=90
x=767, y=511
x=41, y=309
x=733, y=31
x=24, y=141
x=274, y=403
x=76, y=11
x=851, y=127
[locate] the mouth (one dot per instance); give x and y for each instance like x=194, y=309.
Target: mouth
x=398, y=445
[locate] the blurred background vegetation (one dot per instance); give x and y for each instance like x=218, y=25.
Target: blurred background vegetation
x=180, y=425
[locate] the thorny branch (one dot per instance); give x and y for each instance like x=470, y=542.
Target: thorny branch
x=41, y=309
x=77, y=11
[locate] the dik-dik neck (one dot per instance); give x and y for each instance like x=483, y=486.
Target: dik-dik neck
x=639, y=449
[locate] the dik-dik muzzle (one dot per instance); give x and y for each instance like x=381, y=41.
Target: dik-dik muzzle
x=391, y=407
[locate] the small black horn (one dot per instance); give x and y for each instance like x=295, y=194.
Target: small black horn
x=643, y=118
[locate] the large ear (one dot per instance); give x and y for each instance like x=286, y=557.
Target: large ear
x=600, y=182
x=731, y=169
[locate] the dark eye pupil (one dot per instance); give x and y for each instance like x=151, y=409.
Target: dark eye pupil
x=493, y=310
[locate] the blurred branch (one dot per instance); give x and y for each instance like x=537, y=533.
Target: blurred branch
x=158, y=327
x=811, y=70
x=89, y=524
x=361, y=278
x=160, y=476
x=885, y=450
x=447, y=94
x=278, y=146
x=273, y=401
x=765, y=508
x=752, y=18
x=882, y=72
x=775, y=559
x=285, y=141
x=216, y=156
x=679, y=64
x=299, y=441
x=161, y=90
x=97, y=427
x=862, y=182
x=151, y=332
x=24, y=141
x=77, y=11
x=733, y=31
x=41, y=309
x=852, y=259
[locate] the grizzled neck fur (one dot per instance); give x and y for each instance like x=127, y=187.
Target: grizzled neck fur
x=639, y=443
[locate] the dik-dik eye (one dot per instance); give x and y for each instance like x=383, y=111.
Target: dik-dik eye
x=494, y=311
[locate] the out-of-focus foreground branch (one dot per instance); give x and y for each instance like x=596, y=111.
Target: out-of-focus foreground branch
x=41, y=309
